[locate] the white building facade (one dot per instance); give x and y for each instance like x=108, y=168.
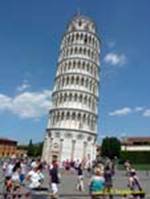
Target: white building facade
x=72, y=124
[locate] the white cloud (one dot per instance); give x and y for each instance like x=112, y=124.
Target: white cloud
x=27, y=104
x=121, y=112
x=23, y=86
x=5, y=102
x=127, y=110
x=115, y=59
x=146, y=113
x=139, y=109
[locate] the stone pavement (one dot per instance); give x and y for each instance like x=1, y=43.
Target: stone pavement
x=68, y=183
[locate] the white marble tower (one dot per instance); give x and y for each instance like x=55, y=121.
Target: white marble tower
x=72, y=124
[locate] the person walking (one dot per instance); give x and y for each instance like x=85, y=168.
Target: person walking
x=134, y=183
x=97, y=183
x=108, y=179
x=55, y=180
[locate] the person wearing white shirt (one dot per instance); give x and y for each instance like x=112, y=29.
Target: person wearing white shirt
x=35, y=178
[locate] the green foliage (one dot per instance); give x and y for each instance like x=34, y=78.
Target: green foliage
x=30, y=149
x=111, y=147
x=24, y=147
x=140, y=167
x=38, y=149
x=34, y=150
x=135, y=157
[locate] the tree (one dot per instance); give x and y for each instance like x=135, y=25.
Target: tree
x=34, y=150
x=111, y=147
x=38, y=149
x=30, y=149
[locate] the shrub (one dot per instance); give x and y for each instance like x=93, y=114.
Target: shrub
x=135, y=157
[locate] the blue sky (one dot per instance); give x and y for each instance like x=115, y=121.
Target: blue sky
x=30, y=35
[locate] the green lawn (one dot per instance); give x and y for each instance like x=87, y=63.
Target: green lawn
x=142, y=167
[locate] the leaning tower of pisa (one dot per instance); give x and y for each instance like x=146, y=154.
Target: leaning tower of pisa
x=72, y=124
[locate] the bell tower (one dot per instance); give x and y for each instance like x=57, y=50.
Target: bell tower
x=72, y=123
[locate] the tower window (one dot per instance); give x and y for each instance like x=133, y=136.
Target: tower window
x=73, y=116
x=83, y=65
x=82, y=81
x=70, y=97
x=72, y=80
x=68, y=116
x=79, y=116
x=62, y=116
x=75, y=97
x=77, y=36
x=85, y=39
x=67, y=81
x=74, y=64
x=84, y=118
x=80, y=23
x=65, y=97
x=77, y=80
x=81, y=98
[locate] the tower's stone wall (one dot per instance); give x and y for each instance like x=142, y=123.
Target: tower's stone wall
x=72, y=124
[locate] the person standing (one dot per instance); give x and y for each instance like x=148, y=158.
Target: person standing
x=54, y=174
x=16, y=176
x=35, y=178
x=108, y=178
x=9, y=168
x=24, y=170
x=80, y=183
x=127, y=166
x=97, y=183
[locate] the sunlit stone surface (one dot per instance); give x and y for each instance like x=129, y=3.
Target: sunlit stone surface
x=72, y=124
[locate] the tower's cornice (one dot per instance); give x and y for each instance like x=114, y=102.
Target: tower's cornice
x=82, y=31
x=75, y=90
x=79, y=58
x=73, y=110
x=76, y=73
x=71, y=129
x=79, y=45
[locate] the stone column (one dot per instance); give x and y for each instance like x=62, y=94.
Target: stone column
x=50, y=150
x=61, y=149
x=93, y=151
x=84, y=150
x=45, y=149
x=73, y=149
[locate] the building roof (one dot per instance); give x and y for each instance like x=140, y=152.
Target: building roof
x=136, y=140
x=7, y=140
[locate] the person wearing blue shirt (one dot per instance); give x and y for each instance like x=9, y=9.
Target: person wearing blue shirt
x=97, y=182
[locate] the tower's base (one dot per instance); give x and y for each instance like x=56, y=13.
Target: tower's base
x=62, y=145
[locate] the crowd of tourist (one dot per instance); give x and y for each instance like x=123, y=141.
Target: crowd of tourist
x=22, y=172
x=30, y=174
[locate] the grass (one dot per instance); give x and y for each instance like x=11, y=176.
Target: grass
x=141, y=167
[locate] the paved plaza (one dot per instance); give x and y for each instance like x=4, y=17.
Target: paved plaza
x=69, y=180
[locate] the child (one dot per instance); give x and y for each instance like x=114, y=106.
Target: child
x=97, y=182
